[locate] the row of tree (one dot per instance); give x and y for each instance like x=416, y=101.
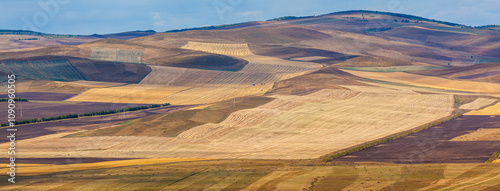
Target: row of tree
x=70, y=116
x=15, y=99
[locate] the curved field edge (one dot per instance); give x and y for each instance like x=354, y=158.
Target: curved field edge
x=173, y=124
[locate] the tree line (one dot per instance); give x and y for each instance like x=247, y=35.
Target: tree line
x=70, y=116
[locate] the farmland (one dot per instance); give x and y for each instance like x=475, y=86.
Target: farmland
x=355, y=100
x=434, y=146
x=114, y=55
x=58, y=70
x=432, y=82
x=219, y=48
x=266, y=174
x=128, y=94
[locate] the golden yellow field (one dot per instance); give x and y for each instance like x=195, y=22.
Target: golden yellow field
x=432, y=82
x=129, y=94
x=220, y=48
x=492, y=110
x=38, y=169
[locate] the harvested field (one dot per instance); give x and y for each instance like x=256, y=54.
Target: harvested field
x=292, y=127
x=268, y=174
x=429, y=81
x=129, y=94
x=41, y=96
x=172, y=76
x=480, y=75
x=478, y=103
x=211, y=93
x=480, y=135
x=84, y=123
x=220, y=48
x=433, y=145
x=116, y=55
x=59, y=70
x=49, y=169
x=392, y=68
x=492, y=110
x=58, y=161
x=172, y=124
x=32, y=110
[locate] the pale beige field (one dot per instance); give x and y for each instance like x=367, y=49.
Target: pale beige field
x=492, y=110
x=134, y=93
x=220, y=48
x=432, y=82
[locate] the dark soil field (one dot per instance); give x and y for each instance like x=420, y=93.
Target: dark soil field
x=85, y=123
x=32, y=110
x=433, y=146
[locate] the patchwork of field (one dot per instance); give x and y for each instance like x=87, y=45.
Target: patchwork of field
x=58, y=70
x=429, y=81
x=165, y=174
x=56, y=129
x=172, y=76
x=457, y=141
x=116, y=55
x=290, y=127
x=133, y=93
x=220, y=48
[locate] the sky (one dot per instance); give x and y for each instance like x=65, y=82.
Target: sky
x=113, y=16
